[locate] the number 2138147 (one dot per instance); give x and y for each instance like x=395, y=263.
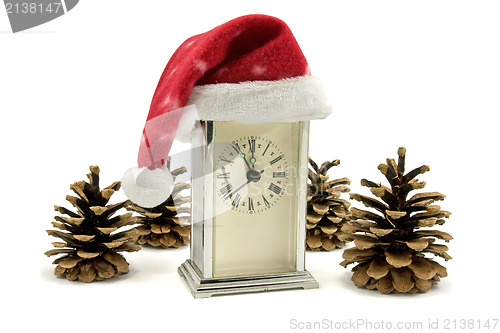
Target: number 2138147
x=470, y=324
x=33, y=8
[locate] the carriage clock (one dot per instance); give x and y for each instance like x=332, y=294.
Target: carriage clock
x=248, y=208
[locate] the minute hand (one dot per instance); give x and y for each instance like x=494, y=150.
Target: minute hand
x=248, y=164
x=242, y=155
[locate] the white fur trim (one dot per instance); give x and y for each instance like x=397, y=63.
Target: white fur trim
x=147, y=188
x=287, y=100
x=186, y=124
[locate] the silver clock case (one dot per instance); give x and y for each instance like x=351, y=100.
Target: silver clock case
x=197, y=271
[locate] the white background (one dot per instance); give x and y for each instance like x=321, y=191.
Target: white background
x=76, y=91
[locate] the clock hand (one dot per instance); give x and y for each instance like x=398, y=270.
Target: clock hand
x=239, y=188
x=242, y=155
x=251, y=177
x=246, y=162
x=251, y=145
x=253, y=160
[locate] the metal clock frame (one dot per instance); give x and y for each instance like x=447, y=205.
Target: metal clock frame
x=197, y=271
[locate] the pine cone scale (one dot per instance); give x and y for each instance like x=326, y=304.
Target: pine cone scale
x=378, y=268
x=402, y=280
x=360, y=276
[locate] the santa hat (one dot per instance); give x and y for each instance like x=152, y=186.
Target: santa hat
x=250, y=69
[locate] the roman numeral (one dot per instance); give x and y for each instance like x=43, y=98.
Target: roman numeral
x=251, y=144
x=226, y=191
x=226, y=160
x=275, y=188
x=276, y=159
x=250, y=204
x=279, y=174
x=224, y=175
x=236, y=200
x=266, y=202
x=266, y=149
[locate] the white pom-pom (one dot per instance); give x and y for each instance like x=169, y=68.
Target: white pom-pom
x=186, y=124
x=147, y=188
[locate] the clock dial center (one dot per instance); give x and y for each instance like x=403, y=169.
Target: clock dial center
x=254, y=175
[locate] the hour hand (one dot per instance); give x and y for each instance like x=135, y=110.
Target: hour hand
x=251, y=144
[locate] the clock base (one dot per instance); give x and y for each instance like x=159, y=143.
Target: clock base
x=206, y=287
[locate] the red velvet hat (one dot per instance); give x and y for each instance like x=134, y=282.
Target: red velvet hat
x=250, y=69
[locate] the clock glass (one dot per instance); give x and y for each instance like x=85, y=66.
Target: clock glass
x=255, y=209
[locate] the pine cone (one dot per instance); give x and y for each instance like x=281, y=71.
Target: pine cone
x=390, y=246
x=326, y=212
x=162, y=225
x=91, y=241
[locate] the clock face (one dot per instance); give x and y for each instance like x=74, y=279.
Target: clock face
x=252, y=174
x=255, y=183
